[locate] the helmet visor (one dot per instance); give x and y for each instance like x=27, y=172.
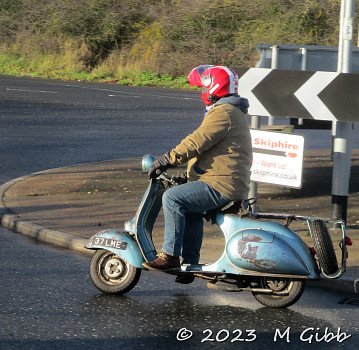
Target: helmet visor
x=195, y=77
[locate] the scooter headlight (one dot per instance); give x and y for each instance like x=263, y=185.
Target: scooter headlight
x=147, y=161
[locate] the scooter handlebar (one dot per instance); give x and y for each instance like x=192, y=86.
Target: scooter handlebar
x=165, y=177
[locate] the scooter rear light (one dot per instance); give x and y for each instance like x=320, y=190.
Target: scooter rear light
x=348, y=241
x=313, y=251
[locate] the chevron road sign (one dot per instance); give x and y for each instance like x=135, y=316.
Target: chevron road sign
x=300, y=94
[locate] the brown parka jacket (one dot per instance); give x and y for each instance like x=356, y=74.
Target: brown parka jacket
x=219, y=152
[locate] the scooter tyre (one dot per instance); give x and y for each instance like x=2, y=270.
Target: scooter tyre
x=112, y=275
x=294, y=288
x=324, y=248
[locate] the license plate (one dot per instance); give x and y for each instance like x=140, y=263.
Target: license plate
x=110, y=243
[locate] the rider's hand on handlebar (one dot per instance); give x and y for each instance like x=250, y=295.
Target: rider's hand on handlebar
x=159, y=166
x=180, y=179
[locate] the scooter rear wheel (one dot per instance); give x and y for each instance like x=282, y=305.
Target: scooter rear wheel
x=324, y=248
x=291, y=287
x=112, y=275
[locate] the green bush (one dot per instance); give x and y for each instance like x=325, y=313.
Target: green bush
x=122, y=39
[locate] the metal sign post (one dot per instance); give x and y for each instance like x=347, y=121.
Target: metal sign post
x=343, y=134
x=253, y=186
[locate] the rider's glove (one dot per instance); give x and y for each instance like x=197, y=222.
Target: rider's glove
x=180, y=179
x=159, y=166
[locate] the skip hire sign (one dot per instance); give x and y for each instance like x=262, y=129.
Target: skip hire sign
x=277, y=158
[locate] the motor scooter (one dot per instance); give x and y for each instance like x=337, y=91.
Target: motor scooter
x=260, y=255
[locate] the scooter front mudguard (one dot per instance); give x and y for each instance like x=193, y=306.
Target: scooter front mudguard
x=119, y=243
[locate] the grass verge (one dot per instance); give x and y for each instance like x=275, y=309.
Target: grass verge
x=52, y=67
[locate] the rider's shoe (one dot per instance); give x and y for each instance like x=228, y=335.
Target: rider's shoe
x=164, y=262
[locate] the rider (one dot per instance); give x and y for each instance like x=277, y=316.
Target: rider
x=219, y=157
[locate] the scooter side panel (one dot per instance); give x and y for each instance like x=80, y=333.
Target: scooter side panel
x=119, y=243
x=230, y=224
x=264, y=251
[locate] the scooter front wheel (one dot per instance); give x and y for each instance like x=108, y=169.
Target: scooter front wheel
x=112, y=275
x=292, y=290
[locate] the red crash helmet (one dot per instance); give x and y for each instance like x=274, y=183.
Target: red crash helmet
x=216, y=81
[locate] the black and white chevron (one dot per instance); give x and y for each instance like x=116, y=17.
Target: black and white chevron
x=300, y=94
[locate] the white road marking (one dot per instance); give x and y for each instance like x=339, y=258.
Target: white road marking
x=44, y=92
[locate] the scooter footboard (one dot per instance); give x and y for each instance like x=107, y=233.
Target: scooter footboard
x=119, y=243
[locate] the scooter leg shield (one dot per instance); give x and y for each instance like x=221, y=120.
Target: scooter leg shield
x=119, y=243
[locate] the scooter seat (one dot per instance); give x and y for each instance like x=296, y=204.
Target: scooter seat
x=241, y=208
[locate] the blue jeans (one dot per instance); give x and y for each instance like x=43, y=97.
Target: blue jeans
x=182, y=207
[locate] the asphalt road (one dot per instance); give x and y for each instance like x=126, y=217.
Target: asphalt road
x=46, y=124
x=47, y=300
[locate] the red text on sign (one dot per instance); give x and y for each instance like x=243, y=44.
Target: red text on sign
x=274, y=144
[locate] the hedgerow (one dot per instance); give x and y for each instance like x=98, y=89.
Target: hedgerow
x=149, y=41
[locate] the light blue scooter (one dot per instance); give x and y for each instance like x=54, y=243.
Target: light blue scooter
x=260, y=255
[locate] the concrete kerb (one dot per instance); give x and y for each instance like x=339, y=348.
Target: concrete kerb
x=343, y=284
x=40, y=233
